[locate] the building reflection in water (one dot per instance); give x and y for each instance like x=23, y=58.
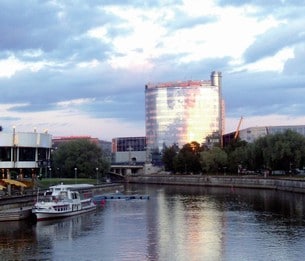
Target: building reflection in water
x=187, y=226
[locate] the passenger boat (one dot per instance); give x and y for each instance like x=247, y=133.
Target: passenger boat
x=63, y=201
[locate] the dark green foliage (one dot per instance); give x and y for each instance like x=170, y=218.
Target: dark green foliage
x=168, y=156
x=81, y=154
x=281, y=151
x=214, y=160
x=188, y=159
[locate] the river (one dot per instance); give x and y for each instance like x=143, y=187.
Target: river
x=176, y=223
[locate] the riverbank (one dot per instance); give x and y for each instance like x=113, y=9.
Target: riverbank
x=290, y=184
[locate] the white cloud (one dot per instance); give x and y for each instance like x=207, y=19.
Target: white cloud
x=90, y=64
x=149, y=38
x=75, y=102
x=9, y=66
x=275, y=63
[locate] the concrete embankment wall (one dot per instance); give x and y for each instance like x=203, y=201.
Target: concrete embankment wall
x=285, y=184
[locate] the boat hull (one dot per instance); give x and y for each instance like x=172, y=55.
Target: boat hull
x=40, y=215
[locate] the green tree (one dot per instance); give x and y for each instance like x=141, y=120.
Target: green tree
x=282, y=151
x=238, y=155
x=214, y=160
x=82, y=154
x=168, y=156
x=188, y=158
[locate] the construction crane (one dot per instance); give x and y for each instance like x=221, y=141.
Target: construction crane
x=237, y=129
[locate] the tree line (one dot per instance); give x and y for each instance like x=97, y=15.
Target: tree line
x=281, y=151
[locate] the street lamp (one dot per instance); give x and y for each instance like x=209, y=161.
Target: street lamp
x=50, y=177
x=96, y=175
x=75, y=175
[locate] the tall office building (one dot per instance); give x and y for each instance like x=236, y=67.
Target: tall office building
x=183, y=111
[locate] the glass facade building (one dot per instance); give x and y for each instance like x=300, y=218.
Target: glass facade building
x=183, y=111
x=129, y=150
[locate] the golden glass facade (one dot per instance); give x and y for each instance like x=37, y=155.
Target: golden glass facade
x=182, y=112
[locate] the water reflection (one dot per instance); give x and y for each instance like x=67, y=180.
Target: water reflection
x=176, y=223
x=15, y=238
x=229, y=224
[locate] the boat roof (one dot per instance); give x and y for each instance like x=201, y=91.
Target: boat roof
x=71, y=186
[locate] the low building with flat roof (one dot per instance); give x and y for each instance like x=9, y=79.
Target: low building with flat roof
x=24, y=152
x=253, y=133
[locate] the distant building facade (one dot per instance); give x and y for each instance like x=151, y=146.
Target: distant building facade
x=253, y=133
x=129, y=150
x=63, y=139
x=183, y=111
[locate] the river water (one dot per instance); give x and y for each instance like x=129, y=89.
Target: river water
x=176, y=223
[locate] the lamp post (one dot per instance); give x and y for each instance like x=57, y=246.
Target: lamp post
x=96, y=175
x=50, y=169
x=75, y=175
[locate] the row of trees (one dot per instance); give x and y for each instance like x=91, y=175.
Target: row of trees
x=281, y=151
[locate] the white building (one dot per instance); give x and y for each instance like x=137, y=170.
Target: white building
x=252, y=133
x=23, y=152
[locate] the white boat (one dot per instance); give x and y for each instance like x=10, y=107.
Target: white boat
x=64, y=201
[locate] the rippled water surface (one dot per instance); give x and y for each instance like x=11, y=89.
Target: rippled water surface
x=176, y=223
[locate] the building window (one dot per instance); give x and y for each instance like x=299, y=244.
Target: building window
x=42, y=154
x=26, y=154
x=5, y=154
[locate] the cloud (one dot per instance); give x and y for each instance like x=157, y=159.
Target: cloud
x=80, y=67
x=274, y=40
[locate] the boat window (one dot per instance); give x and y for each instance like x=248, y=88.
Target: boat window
x=63, y=195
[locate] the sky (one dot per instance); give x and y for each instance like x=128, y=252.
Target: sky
x=79, y=68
